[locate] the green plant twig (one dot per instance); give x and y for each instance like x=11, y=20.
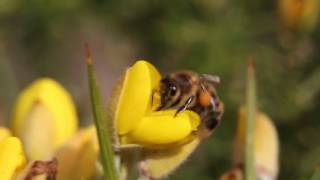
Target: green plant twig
x=250, y=117
x=103, y=131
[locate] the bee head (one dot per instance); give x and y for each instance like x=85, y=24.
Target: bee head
x=169, y=92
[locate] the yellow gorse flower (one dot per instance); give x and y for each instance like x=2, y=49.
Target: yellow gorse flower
x=45, y=120
x=299, y=14
x=44, y=117
x=168, y=139
x=76, y=159
x=266, y=145
x=135, y=120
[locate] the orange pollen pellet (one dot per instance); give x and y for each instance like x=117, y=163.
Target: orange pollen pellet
x=205, y=98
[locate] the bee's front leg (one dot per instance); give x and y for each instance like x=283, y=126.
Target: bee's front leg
x=185, y=106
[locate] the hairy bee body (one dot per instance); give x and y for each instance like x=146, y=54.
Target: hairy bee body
x=189, y=90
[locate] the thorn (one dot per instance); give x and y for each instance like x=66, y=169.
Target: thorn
x=251, y=64
x=88, y=53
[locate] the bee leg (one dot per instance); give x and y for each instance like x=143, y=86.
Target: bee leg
x=125, y=147
x=185, y=106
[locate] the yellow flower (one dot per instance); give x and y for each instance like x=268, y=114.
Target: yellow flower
x=167, y=139
x=301, y=14
x=265, y=145
x=44, y=117
x=45, y=120
x=12, y=157
x=77, y=159
x=135, y=119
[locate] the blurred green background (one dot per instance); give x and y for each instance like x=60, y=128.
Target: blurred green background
x=46, y=38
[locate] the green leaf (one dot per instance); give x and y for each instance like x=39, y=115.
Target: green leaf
x=250, y=118
x=105, y=140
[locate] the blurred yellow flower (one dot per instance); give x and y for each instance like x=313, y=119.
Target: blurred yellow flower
x=301, y=14
x=44, y=117
x=266, y=145
x=135, y=118
x=12, y=157
x=78, y=157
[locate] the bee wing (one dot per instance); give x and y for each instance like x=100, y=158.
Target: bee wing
x=211, y=78
x=160, y=163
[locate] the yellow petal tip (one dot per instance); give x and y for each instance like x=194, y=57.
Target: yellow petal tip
x=12, y=157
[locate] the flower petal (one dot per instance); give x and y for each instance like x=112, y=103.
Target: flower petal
x=163, y=127
x=159, y=163
x=45, y=97
x=12, y=157
x=77, y=158
x=135, y=98
x=38, y=133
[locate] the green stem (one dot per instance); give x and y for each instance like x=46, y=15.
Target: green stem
x=250, y=118
x=105, y=141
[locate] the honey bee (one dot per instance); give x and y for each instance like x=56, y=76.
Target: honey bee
x=184, y=90
x=187, y=90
